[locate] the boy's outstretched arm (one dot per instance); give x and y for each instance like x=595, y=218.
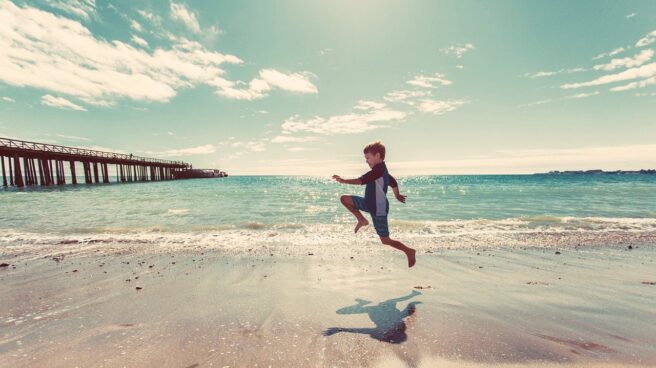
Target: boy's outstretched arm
x=339, y=179
x=395, y=188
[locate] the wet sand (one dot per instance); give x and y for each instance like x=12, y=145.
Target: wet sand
x=542, y=307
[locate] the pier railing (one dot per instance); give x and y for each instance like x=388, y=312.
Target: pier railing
x=25, y=163
x=39, y=148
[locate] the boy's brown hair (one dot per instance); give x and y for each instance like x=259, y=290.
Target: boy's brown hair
x=374, y=148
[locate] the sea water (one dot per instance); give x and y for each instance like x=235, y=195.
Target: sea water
x=244, y=210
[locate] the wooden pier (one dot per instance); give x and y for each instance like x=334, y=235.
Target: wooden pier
x=30, y=164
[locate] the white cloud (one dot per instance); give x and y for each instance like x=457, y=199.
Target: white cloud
x=521, y=161
x=136, y=26
x=429, y=81
x=83, y=9
x=610, y=53
x=300, y=149
x=151, y=17
x=648, y=39
x=633, y=85
x=541, y=74
x=294, y=82
x=60, y=102
x=181, y=13
x=42, y=50
x=535, y=103
x=405, y=96
x=458, y=50
x=256, y=89
x=259, y=87
x=61, y=55
x=630, y=157
x=344, y=124
x=73, y=138
x=644, y=71
x=8, y=99
x=369, y=115
x=630, y=15
x=638, y=67
x=300, y=166
x=439, y=107
x=210, y=35
x=292, y=139
x=139, y=41
x=255, y=146
x=9, y=136
x=369, y=105
x=627, y=62
x=583, y=95
x=102, y=149
x=192, y=151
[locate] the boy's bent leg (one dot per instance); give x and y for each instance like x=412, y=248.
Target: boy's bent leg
x=347, y=201
x=409, y=252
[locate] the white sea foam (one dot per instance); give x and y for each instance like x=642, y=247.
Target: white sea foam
x=178, y=211
x=299, y=238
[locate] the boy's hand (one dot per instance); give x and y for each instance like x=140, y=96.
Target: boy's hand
x=338, y=178
x=400, y=197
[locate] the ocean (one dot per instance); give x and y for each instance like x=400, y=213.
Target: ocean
x=268, y=211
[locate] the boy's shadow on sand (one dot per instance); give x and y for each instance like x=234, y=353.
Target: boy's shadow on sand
x=390, y=326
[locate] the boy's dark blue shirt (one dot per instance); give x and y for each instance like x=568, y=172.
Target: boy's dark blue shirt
x=375, y=194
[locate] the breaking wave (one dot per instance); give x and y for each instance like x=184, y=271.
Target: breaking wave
x=535, y=231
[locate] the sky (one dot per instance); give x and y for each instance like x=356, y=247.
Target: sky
x=294, y=87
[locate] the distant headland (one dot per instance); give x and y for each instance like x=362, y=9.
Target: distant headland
x=587, y=172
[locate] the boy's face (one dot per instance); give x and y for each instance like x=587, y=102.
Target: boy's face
x=372, y=159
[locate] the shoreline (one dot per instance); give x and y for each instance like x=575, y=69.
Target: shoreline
x=334, y=240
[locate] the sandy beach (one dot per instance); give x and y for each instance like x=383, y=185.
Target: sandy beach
x=114, y=307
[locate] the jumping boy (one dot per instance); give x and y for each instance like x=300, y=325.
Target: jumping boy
x=375, y=197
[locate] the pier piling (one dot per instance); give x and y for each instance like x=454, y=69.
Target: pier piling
x=73, y=176
x=33, y=180
x=106, y=178
x=4, y=175
x=17, y=172
x=95, y=172
x=11, y=172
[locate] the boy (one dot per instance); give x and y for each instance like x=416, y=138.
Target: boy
x=375, y=197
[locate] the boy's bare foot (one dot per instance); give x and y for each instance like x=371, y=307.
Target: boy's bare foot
x=360, y=224
x=411, y=257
